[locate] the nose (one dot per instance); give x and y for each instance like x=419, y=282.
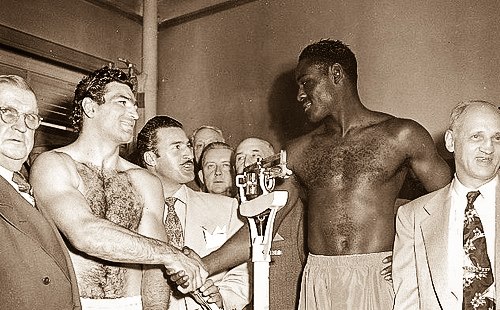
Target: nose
x=188, y=153
x=133, y=113
x=20, y=124
x=301, y=95
x=218, y=170
x=487, y=146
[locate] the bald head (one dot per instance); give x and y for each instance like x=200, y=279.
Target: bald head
x=250, y=150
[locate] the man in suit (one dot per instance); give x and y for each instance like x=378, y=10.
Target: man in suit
x=216, y=172
x=437, y=262
x=200, y=221
x=35, y=269
x=288, y=244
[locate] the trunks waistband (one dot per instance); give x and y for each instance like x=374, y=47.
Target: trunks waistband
x=132, y=302
x=351, y=260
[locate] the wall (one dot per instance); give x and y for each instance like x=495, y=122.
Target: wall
x=76, y=24
x=234, y=69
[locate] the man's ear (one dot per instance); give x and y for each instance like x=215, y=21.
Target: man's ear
x=150, y=158
x=335, y=72
x=200, y=176
x=449, y=140
x=88, y=107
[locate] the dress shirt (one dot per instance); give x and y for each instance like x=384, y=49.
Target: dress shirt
x=485, y=207
x=7, y=175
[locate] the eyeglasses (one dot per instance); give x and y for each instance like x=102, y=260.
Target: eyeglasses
x=11, y=115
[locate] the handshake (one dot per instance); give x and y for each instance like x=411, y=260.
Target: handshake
x=190, y=275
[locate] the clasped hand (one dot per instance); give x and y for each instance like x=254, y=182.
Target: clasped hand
x=188, y=284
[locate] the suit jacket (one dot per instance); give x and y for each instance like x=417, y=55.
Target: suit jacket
x=35, y=268
x=286, y=267
x=420, y=260
x=209, y=221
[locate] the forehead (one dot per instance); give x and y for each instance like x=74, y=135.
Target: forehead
x=254, y=147
x=170, y=135
x=207, y=134
x=307, y=67
x=481, y=118
x=116, y=89
x=15, y=97
x=217, y=155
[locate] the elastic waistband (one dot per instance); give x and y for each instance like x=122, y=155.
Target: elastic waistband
x=352, y=260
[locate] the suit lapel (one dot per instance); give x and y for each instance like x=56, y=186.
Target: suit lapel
x=24, y=217
x=435, y=233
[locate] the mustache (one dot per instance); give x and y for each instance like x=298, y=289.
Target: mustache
x=189, y=161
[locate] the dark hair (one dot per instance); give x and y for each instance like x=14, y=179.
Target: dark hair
x=93, y=86
x=216, y=146
x=327, y=52
x=147, y=139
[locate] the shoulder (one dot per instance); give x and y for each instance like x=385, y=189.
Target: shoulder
x=404, y=128
x=142, y=178
x=418, y=203
x=220, y=201
x=54, y=161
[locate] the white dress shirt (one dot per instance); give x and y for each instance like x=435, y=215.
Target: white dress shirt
x=485, y=207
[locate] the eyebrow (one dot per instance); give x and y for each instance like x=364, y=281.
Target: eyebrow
x=114, y=97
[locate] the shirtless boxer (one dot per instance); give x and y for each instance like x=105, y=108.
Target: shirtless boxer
x=350, y=169
x=109, y=210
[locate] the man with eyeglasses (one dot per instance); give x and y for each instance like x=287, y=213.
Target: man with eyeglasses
x=35, y=270
x=110, y=210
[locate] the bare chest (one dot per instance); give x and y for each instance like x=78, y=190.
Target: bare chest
x=368, y=162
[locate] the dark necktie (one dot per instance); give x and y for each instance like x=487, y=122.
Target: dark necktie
x=478, y=276
x=173, y=225
x=21, y=182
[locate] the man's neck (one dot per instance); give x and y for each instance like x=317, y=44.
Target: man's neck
x=100, y=153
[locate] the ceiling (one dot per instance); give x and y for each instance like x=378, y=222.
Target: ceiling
x=170, y=12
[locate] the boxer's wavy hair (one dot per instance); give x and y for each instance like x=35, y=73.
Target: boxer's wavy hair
x=147, y=139
x=327, y=52
x=93, y=86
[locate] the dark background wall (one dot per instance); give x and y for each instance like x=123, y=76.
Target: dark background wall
x=76, y=24
x=234, y=69
x=416, y=59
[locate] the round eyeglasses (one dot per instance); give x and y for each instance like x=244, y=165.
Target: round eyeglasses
x=11, y=115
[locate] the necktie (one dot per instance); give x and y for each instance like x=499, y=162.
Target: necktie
x=21, y=182
x=478, y=276
x=173, y=225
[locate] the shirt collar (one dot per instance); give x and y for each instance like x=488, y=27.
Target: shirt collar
x=486, y=189
x=181, y=194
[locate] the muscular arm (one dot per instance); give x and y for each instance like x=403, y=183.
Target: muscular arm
x=237, y=249
x=55, y=182
x=154, y=287
x=404, y=270
x=426, y=163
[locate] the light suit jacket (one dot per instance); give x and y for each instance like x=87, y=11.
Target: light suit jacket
x=209, y=221
x=35, y=268
x=420, y=260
